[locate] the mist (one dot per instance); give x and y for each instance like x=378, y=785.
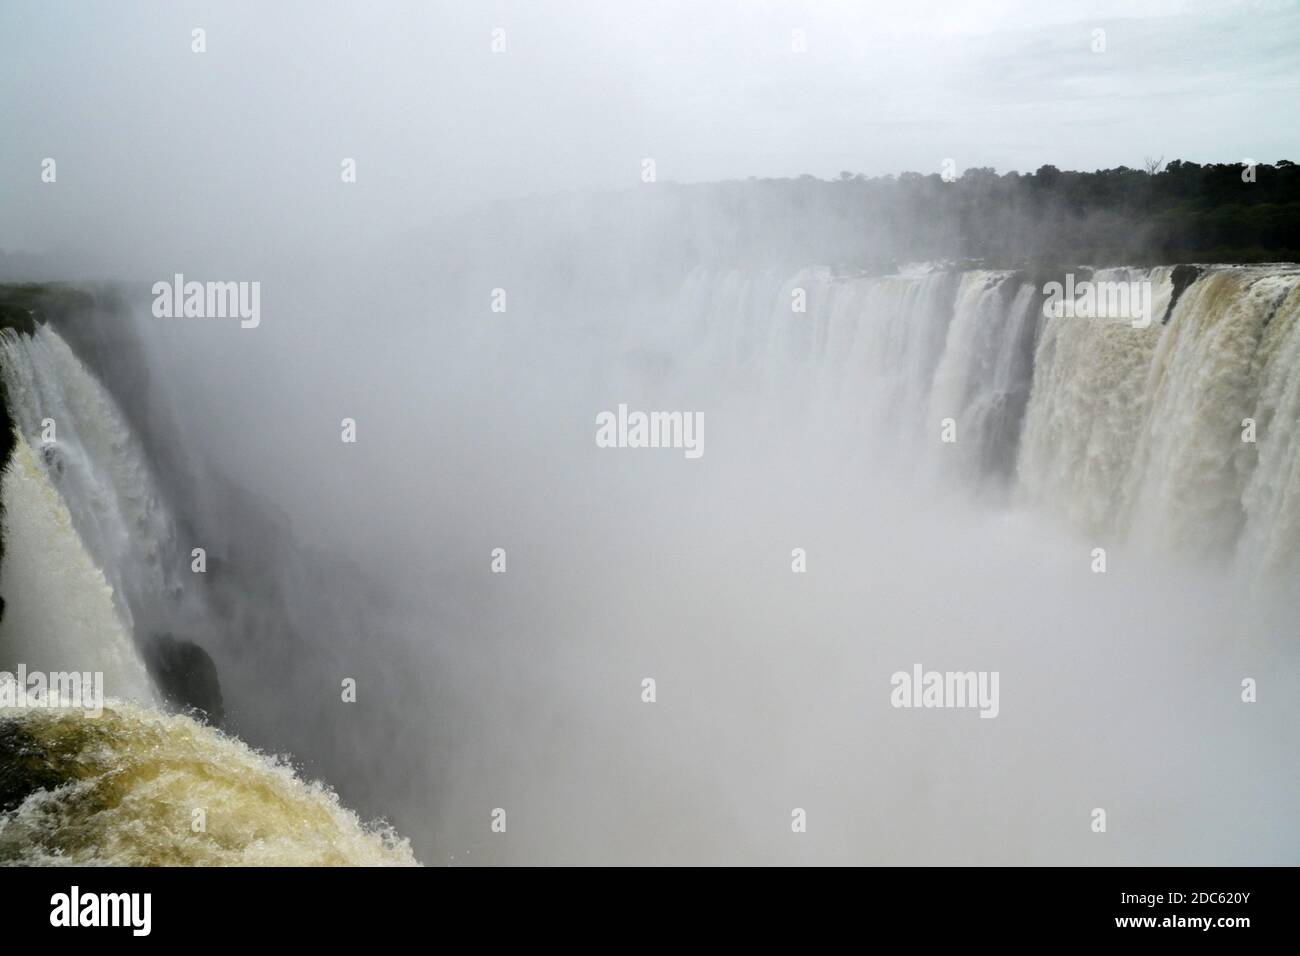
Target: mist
x=500, y=272
x=523, y=690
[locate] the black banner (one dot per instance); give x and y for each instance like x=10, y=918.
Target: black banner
x=1152, y=906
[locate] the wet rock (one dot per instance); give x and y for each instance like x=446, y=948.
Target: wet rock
x=185, y=675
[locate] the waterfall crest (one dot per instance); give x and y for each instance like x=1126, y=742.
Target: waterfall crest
x=1118, y=429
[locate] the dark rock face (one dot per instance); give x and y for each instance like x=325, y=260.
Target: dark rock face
x=1182, y=277
x=185, y=675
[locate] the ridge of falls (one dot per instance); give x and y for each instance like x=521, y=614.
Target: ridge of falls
x=1119, y=430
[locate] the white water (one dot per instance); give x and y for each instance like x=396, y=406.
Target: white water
x=87, y=537
x=133, y=780
x=774, y=684
x=59, y=609
x=81, y=511
x=1121, y=690
x=98, y=467
x=1109, y=428
x=1139, y=431
x=87, y=532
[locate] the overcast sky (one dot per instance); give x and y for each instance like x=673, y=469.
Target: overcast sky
x=156, y=144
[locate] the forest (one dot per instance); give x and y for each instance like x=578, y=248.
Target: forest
x=1162, y=214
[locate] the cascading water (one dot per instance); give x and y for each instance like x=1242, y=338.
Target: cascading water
x=96, y=464
x=1117, y=428
x=89, y=545
x=852, y=356
x=1129, y=434
x=74, y=625
x=1147, y=431
x=1271, y=496
x=982, y=382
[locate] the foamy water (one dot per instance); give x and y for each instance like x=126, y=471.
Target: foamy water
x=136, y=787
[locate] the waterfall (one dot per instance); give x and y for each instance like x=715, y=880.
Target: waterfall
x=89, y=550
x=1271, y=496
x=1118, y=429
x=84, y=526
x=98, y=468
x=982, y=382
x=59, y=608
x=1143, y=431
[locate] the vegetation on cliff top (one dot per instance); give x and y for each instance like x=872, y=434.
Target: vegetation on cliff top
x=24, y=304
